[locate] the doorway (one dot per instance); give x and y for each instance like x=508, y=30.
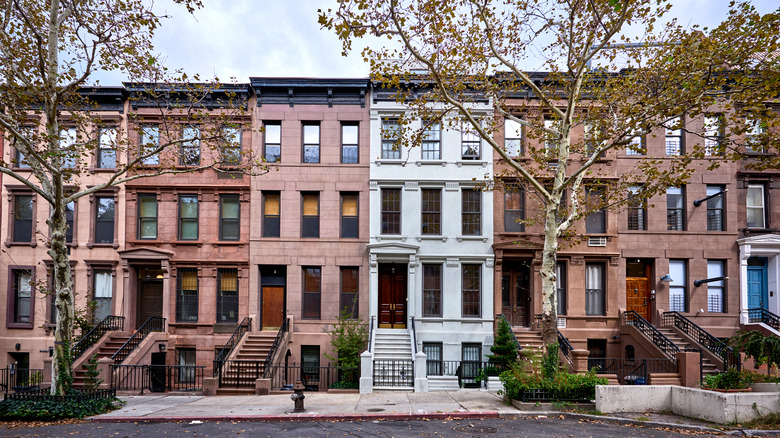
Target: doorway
x=638, y=287
x=757, y=283
x=516, y=293
x=150, y=295
x=392, y=295
x=273, y=281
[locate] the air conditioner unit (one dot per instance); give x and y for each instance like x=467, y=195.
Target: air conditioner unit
x=561, y=323
x=597, y=241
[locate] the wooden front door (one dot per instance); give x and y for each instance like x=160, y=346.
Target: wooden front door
x=516, y=294
x=273, y=307
x=638, y=296
x=150, y=300
x=392, y=295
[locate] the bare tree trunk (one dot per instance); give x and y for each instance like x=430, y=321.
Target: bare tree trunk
x=548, y=272
x=62, y=377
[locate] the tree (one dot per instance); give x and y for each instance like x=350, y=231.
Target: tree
x=504, y=347
x=348, y=337
x=442, y=57
x=51, y=51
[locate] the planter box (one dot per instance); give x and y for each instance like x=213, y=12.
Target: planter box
x=494, y=384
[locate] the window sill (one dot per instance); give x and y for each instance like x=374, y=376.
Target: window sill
x=432, y=237
x=19, y=325
x=229, y=242
x=386, y=161
x=102, y=245
x=470, y=163
x=187, y=242
x=472, y=239
x=516, y=234
x=421, y=163
x=30, y=244
x=102, y=169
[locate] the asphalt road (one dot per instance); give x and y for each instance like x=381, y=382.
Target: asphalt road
x=532, y=427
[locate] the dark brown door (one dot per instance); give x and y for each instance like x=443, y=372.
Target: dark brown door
x=273, y=307
x=392, y=295
x=637, y=296
x=516, y=294
x=150, y=301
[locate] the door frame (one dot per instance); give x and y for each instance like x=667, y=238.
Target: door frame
x=648, y=264
x=139, y=293
x=508, y=268
x=764, y=293
x=405, y=298
x=273, y=276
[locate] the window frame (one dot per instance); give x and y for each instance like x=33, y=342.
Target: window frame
x=187, y=310
x=226, y=301
x=390, y=220
x=430, y=212
x=599, y=295
x=716, y=288
x=350, y=224
x=190, y=220
x=466, y=312
x=636, y=207
x=596, y=220
x=312, y=296
x=96, y=202
x=432, y=290
x=713, y=211
x=561, y=288
x=637, y=145
x=186, y=147
x=672, y=150
x=231, y=149
x=513, y=145
x=345, y=146
x=471, y=212
x=434, y=353
x=266, y=143
x=12, y=299
x=142, y=220
x=430, y=147
x=149, y=134
x=389, y=135
x=349, y=298
x=225, y=221
x=308, y=146
x=271, y=222
x=675, y=211
x=310, y=223
x=68, y=137
x=755, y=128
x=103, y=146
x=511, y=216
x=16, y=220
x=25, y=131
x=679, y=286
x=714, y=134
x=94, y=270
x=186, y=359
x=470, y=145
x=764, y=220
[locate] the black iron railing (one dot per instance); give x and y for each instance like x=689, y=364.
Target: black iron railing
x=243, y=327
x=153, y=324
x=632, y=371
x=44, y=394
x=467, y=371
x=656, y=337
x=370, y=334
x=238, y=373
x=514, y=338
x=719, y=348
x=414, y=336
x=269, y=359
x=13, y=379
x=565, y=347
x=157, y=378
x=764, y=316
x=314, y=378
x=393, y=373
x=109, y=323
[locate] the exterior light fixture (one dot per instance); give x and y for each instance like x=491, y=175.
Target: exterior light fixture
x=698, y=283
x=667, y=278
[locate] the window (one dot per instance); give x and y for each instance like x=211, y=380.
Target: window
x=23, y=218
x=68, y=140
x=432, y=290
x=188, y=217
x=551, y=140
x=675, y=209
x=636, y=145
x=230, y=147
x=310, y=365
x=592, y=138
x=674, y=143
x=596, y=221
x=104, y=219
x=147, y=216
x=514, y=209
x=715, y=293
x=431, y=211
x=349, y=291
x=273, y=142
x=756, y=129
x=513, y=138
x=149, y=143
x=19, y=160
x=391, y=211
x=715, y=208
x=349, y=215
x=714, y=134
x=229, y=217
x=311, y=291
x=271, y=214
x=21, y=299
x=433, y=355
x=70, y=210
x=431, y=141
x=227, y=295
x=391, y=131
x=471, y=290
x=560, y=289
x=636, y=209
x=106, y=153
x=311, y=143
x=189, y=148
x=102, y=292
x=471, y=204
x=310, y=220
x=594, y=289
x=349, y=144
x=186, y=361
x=756, y=216
x=470, y=144
x=677, y=287
x=187, y=295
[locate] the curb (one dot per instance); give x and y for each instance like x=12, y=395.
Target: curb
x=302, y=417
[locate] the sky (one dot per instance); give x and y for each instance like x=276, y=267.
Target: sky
x=247, y=38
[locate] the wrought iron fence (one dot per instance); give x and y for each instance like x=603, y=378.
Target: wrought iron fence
x=269, y=359
x=43, y=394
x=727, y=354
x=314, y=378
x=393, y=373
x=764, y=316
x=109, y=323
x=467, y=371
x=153, y=324
x=157, y=378
x=14, y=379
x=245, y=326
x=238, y=373
x=534, y=395
x=656, y=337
x=632, y=371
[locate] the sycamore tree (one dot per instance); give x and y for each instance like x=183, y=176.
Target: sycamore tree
x=582, y=78
x=51, y=52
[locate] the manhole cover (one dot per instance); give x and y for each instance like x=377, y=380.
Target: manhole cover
x=375, y=409
x=472, y=429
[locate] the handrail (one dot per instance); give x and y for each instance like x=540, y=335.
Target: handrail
x=370, y=334
x=764, y=316
x=706, y=340
x=109, y=323
x=277, y=341
x=564, y=347
x=514, y=338
x=243, y=327
x=153, y=324
x=669, y=348
x=413, y=337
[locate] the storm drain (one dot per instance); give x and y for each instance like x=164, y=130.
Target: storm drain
x=472, y=429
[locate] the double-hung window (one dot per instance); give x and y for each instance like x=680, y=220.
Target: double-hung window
x=715, y=208
x=312, y=287
x=188, y=217
x=227, y=295
x=350, y=226
x=674, y=137
x=431, y=211
x=189, y=148
x=514, y=209
x=230, y=146
x=513, y=138
x=594, y=289
x=106, y=153
x=560, y=288
x=391, y=211
x=349, y=143
x=70, y=211
x=471, y=290
x=349, y=291
x=69, y=152
x=636, y=144
x=272, y=143
x=432, y=290
x=104, y=219
x=23, y=218
x=678, y=285
x=187, y=295
x=551, y=139
x=149, y=145
x=310, y=214
x=715, y=289
x=147, y=216
x=636, y=209
x=756, y=215
x=311, y=143
x=471, y=209
x=470, y=144
x=22, y=297
x=714, y=134
x=756, y=129
x=271, y=214
x=596, y=221
x=103, y=291
x=431, y=140
x=28, y=133
x=391, y=131
x=229, y=217
x=675, y=209
x=433, y=355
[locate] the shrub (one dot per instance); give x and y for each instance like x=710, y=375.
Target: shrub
x=349, y=338
x=93, y=379
x=561, y=383
x=735, y=379
x=504, y=348
x=550, y=361
x=54, y=408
